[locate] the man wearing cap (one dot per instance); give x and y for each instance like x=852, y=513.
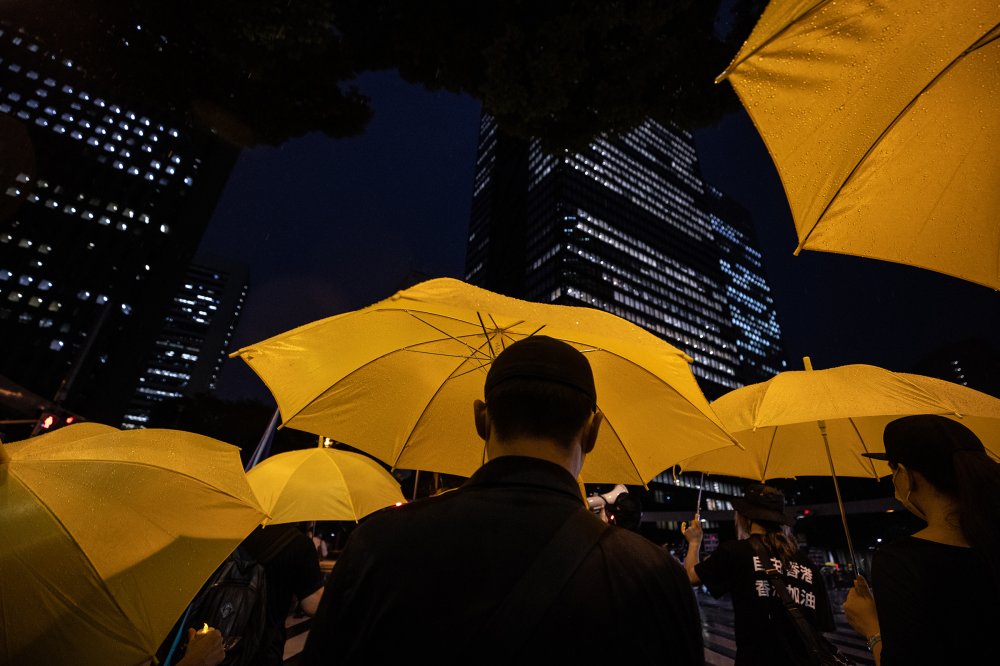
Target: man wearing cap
x=511, y=567
x=739, y=568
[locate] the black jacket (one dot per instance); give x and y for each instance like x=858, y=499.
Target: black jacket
x=419, y=581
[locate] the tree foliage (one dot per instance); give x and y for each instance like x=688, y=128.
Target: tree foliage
x=565, y=71
x=262, y=71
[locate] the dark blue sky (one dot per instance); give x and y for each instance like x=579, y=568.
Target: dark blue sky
x=328, y=226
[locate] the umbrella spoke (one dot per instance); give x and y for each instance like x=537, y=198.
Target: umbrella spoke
x=861, y=439
x=770, y=448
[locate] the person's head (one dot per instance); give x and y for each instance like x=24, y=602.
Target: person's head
x=934, y=460
x=539, y=390
x=764, y=507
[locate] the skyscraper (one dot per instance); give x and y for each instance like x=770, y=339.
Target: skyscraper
x=103, y=203
x=628, y=226
x=188, y=353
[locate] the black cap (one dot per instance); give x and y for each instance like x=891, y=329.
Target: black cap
x=925, y=441
x=545, y=359
x=760, y=502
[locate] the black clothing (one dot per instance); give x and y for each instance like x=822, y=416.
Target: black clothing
x=422, y=579
x=734, y=569
x=937, y=604
x=292, y=572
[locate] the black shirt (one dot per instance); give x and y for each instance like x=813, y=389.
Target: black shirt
x=292, y=572
x=735, y=569
x=937, y=604
x=423, y=579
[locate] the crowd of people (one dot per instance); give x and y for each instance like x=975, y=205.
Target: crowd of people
x=513, y=568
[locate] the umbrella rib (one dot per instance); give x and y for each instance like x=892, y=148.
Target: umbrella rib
x=423, y=411
x=86, y=559
x=627, y=453
x=850, y=419
x=770, y=448
x=162, y=468
x=980, y=42
x=733, y=65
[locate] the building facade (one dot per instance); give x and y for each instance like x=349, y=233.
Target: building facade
x=191, y=347
x=102, y=204
x=627, y=226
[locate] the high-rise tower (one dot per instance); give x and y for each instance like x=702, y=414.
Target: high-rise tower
x=102, y=204
x=627, y=226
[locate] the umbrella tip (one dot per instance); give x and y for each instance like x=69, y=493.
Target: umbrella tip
x=807, y=363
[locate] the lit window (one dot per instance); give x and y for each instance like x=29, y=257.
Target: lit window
x=45, y=323
x=5, y=275
x=25, y=280
x=126, y=309
x=83, y=294
x=56, y=345
x=35, y=301
x=44, y=249
x=101, y=299
x=44, y=285
x=55, y=306
x=24, y=242
x=14, y=297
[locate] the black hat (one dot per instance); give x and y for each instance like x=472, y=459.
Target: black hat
x=925, y=441
x=760, y=502
x=545, y=359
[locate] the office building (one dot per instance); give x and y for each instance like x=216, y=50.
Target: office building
x=102, y=203
x=628, y=226
x=188, y=353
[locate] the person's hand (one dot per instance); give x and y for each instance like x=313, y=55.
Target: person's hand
x=204, y=648
x=693, y=532
x=859, y=609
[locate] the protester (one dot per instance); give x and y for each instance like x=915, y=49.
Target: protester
x=446, y=579
x=763, y=637
x=291, y=568
x=937, y=590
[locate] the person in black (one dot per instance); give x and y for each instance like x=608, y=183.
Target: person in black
x=425, y=581
x=762, y=637
x=291, y=567
x=938, y=589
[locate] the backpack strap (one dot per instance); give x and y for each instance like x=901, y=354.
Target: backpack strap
x=544, y=579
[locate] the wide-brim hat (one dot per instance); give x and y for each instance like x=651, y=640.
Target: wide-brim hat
x=763, y=503
x=925, y=441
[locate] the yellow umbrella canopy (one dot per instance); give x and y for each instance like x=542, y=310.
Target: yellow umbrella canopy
x=107, y=536
x=397, y=380
x=322, y=484
x=776, y=421
x=881, y=117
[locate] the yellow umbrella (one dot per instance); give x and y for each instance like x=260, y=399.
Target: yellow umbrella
x=776, y=421
x=397, y=380
x=820, y=422
x=322, y=484
x=107, y=536
x=881, y=118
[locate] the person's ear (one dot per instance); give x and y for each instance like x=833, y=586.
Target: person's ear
x=590, y=434
x=482, y=419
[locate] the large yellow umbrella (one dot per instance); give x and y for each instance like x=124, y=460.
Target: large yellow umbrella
x=803, y=423
x=881, y=117
x=322, y=484
x=107, y=535
x=777, y=421
x=397, y=380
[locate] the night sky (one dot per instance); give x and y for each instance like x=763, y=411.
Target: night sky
x=328, y=226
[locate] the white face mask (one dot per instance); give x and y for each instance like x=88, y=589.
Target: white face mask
x=905, y=501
